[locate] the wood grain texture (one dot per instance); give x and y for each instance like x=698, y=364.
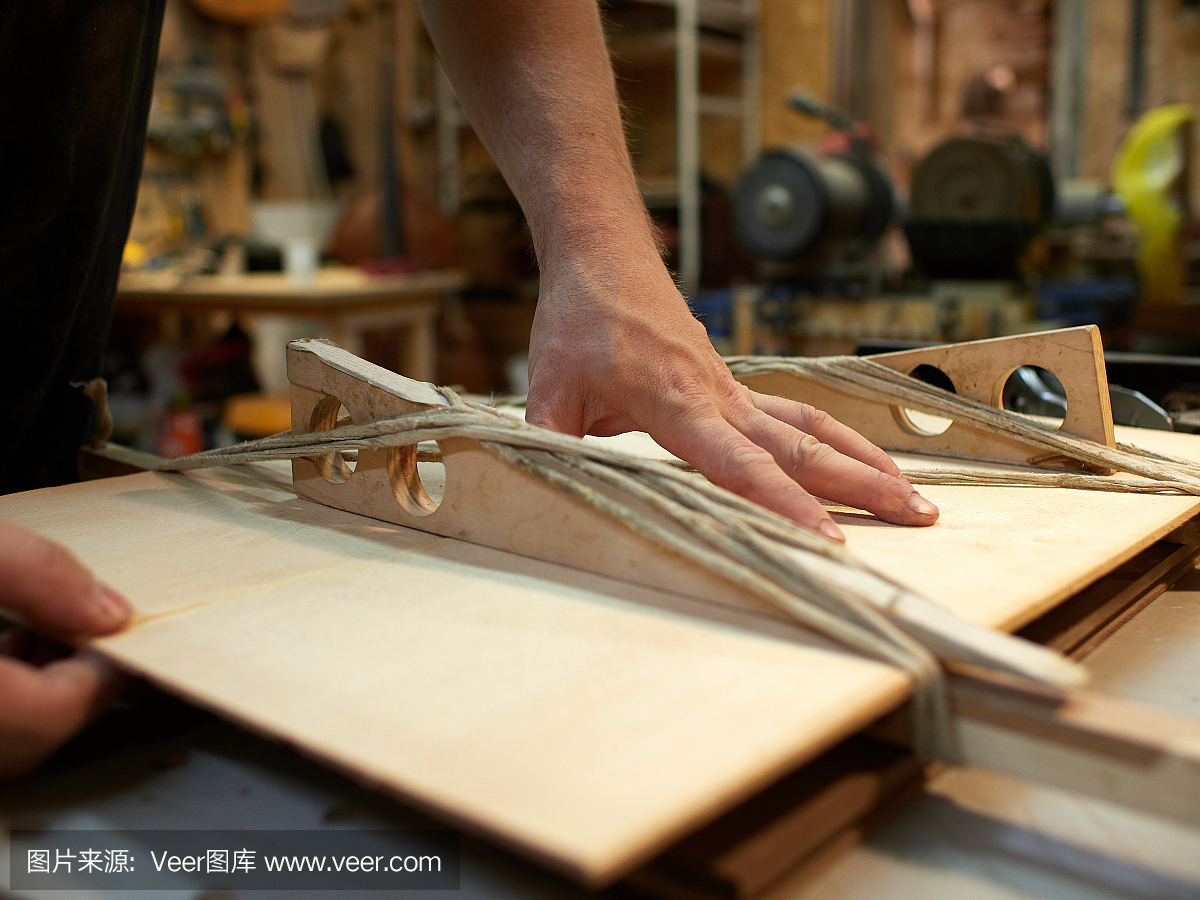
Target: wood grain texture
x=980, y=369
x=743, y=852
x=1085, y=621
x=1136, y=756
x=980, y=835
x=1003, y=556
x=483, y=499
x=1041, y=545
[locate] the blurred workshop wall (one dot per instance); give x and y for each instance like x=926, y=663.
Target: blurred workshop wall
x=197, y=171
x=922, y=70
x=288, y=106
x=917, y=70
x=237, y=104
x=979, y=61
x=796, y=43
x=1139, y=54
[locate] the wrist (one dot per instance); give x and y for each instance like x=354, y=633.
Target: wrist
x=606, y=269
x=619, y=247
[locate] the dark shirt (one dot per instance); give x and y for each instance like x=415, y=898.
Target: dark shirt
x=76, y=78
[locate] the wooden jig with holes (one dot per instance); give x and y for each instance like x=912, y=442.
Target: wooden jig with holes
x=978, y=370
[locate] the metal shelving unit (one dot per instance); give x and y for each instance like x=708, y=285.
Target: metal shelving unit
x=737, y=22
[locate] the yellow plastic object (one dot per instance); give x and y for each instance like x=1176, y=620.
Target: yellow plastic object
x=134, y=255
x=257, y=415
x=1148, y=176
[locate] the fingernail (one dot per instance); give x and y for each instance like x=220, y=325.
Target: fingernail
x=920, y=505
x=831, y=531
x=112, y=607
x=109, y=680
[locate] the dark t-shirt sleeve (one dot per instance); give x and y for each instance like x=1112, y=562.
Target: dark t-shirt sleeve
x=76, y=78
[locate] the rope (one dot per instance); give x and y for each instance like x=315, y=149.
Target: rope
x=1073, y=480
x=961, y=477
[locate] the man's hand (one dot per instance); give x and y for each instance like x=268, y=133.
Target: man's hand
x=614, y=347
x=45, y=697
x=625, y=354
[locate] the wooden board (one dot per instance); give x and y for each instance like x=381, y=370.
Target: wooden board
x=581, y=720
x=981, y=835
x=831, y=801
x=1003, y=556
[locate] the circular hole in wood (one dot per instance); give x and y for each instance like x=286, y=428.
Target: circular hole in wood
x=330, y=413
x=417, y=476
x=1035, y=392
x=920, y=423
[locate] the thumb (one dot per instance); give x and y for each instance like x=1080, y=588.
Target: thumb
x=44, y=707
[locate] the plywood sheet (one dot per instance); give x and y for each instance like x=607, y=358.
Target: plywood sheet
x=584, y=721
x=1003, y=556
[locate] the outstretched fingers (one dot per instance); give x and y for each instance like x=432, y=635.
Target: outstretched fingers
x=730, y=459
x=839, y=467
x=826, y=429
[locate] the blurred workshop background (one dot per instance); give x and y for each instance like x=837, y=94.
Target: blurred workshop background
x=828, y=176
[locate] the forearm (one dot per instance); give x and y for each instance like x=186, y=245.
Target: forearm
x=535, y=81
